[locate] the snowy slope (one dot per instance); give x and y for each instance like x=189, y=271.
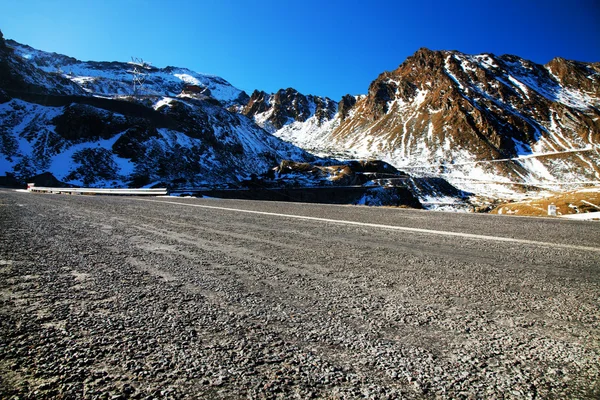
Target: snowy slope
x=480, y=121
x=116, y=150
x=115, y=78
x=71, y=118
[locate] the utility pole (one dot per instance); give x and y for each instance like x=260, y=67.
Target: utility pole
x=139, y=74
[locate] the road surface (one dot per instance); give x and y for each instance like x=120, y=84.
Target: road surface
x=112, y=297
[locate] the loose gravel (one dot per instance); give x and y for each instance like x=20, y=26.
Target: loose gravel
x=112, y=298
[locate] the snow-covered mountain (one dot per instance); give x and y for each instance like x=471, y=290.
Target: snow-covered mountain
x=485, y=123
x=115, y=78
x=472, y=119
x=79, y=121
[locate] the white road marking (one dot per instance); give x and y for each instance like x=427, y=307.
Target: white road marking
x=390, y=227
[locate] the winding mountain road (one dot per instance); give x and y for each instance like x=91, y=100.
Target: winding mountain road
x=185, y=298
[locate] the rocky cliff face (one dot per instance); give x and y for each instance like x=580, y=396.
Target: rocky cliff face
x=451, y=112
x=287, y=106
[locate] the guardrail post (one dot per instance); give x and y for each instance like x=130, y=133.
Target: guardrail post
x=552, y=210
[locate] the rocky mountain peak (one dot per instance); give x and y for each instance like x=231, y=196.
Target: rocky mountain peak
x=325, y=108
x=345, y=105
x=417, y=73
x=576, y=74
x=447, y=107
x=287, y=106
x=425, y=59
x=257, y=104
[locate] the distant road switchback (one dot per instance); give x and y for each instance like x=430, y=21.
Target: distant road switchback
x=204, y=298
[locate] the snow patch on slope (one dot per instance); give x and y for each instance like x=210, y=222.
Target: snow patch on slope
x=309, y=134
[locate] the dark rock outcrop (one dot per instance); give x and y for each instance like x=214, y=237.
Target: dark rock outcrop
x=46, y=179
x=325, y=108
x=80, y=123
x=287, y=106
x=257, y=104
x=345, y=105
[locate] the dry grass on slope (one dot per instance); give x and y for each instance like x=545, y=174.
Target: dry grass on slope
x=571, y=202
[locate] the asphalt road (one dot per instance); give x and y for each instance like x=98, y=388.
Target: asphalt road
x=107, y=297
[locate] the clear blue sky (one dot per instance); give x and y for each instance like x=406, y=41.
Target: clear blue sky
x=321, y=47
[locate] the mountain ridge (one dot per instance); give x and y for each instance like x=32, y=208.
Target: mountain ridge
x=441, y=108
x=439, y=113
x=89, y=130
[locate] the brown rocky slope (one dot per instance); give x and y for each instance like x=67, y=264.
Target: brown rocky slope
x=452, y=112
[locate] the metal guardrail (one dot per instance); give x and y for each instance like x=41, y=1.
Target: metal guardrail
x=129, y=192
